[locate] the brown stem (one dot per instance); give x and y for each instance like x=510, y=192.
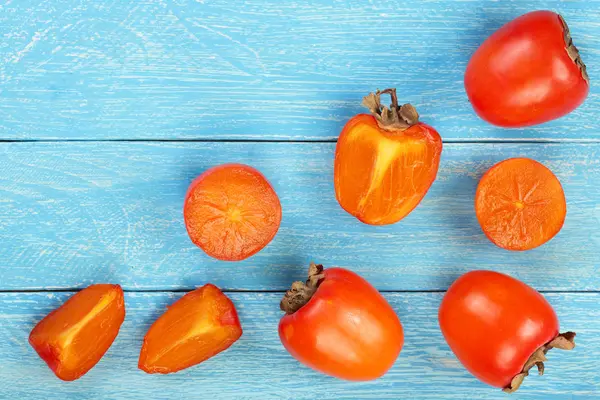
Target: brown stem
x=564, y=341
x=302, y=292
x=394, y=118
x=572, y=50
x=393, y=96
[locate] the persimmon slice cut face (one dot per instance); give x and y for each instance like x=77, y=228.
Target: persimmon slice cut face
x=520, y=204
x=231, y=212
x=75, y=336
x=198, y=326
x=385, y=162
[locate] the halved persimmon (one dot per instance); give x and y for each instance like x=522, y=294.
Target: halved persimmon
x=231, y=212
x=520, y=204
x=385, y=162
x=195, y=328
x=75, y=336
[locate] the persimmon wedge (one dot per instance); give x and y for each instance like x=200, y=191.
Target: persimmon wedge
x=75, y=336
x=231, y=212
x=520, y=204
x=196, y=327
x=385, y=162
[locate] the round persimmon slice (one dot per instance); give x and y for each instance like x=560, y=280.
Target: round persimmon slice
x=231, y=212
x=520, y=204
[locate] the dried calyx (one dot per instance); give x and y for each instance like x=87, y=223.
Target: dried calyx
x=564, y=341
x=573, y=52
x=398, y=118
x=301, y=292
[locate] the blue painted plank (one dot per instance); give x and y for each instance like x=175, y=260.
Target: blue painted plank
x=257, y=366
x=255, y=69
x=76, y=213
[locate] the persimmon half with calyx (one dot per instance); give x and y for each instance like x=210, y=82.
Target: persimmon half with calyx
x=75, y=336
x=385, y=162
x=520, y=204
x=196, y=327
x=231, y=212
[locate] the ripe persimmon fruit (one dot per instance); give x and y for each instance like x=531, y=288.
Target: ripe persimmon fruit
x=73, y=338
x=527, y=72
x=231, y=212
x=499, y=328
x=337, y=323
x=198, y=326
x=385, y=162
x=520, y=204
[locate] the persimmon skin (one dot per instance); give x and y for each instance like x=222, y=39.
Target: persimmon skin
x=522, y=75
x=200, y=325
x=520, y=204
x=73, y=338
x=380, y=176
x=493, y=323
x=346, y=330
x=231, y=212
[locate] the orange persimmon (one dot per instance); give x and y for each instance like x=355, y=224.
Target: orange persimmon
x=520, y=204
x=231, y=212
x=499, y=328
x=196, y=327
x=337, y=323
x=385, y=162
x=75, y=336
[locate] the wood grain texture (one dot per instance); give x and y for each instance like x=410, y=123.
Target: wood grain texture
x=72, y=214
x=256, y=69
x=257, y=366
x=77, y=213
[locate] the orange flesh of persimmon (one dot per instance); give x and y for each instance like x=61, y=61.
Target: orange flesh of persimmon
x=520, y=204
x=75, y=336
x=231, y=212
x=198, y=326
x=381, y=176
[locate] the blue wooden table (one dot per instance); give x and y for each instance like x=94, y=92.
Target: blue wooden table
x=109, y=108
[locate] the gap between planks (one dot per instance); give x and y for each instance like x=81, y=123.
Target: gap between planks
x=326, y=140
x=185, y=290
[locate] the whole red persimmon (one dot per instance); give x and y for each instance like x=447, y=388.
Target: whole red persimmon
x=340, y=325
x=528, y=72
x=499, y=328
